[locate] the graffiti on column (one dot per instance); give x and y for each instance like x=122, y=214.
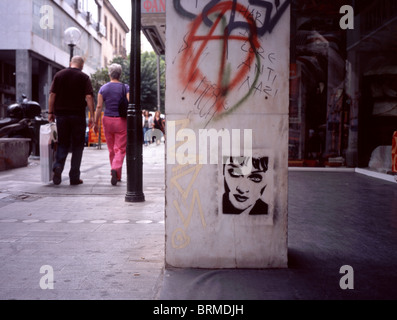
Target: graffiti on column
x=189, y=201
x=217, y=29
x=223, y=63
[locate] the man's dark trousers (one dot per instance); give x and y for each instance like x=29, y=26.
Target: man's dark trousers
x=71, y=133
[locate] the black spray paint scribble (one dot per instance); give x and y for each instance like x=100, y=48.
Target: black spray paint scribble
x=266, y=25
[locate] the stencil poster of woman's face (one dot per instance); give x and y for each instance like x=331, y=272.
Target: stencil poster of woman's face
x=245, y=183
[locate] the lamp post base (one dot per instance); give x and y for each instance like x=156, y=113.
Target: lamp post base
x=134, y=197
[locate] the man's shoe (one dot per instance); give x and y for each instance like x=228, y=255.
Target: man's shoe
x=114, y=179
x=57, y=178
x=76, y=182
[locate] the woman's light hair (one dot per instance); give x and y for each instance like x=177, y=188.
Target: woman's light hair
x=115, y=71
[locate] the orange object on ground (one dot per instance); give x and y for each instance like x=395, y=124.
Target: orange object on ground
x=93, y=138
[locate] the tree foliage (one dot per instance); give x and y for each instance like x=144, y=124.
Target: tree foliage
x=149, y=96
x=149, y=100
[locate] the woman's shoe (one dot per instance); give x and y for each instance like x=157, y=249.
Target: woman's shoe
x=114, y=179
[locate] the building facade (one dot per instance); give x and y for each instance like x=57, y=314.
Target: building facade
x=343, y=97
x=114, y=40
x=33, y=46
x=371, y=79
x=342, y=80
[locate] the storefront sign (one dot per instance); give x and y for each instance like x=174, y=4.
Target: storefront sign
x=152, y=6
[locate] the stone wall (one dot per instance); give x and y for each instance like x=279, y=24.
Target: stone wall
x=14, y=153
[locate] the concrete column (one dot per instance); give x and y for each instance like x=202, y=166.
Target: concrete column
x=353, y=92
x=23, y=74
x=336, y=85
x=227, y=100
x=45, y=71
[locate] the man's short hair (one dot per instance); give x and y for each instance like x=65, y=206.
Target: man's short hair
x=77, y=61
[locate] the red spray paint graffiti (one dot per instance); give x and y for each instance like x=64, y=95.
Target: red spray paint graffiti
x=193, y=78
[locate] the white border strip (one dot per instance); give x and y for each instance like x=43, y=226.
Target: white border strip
x=367, y=172
x=321, y=169
x=379, y=175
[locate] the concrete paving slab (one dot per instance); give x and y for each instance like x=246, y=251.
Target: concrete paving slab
x=335, y=219
x=103, y=248
x=98, y=245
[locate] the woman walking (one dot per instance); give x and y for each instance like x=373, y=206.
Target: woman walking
x=159, y=124
x=146, y=125
x=114, y=126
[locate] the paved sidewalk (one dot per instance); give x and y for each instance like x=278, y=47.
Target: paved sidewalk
x=335, y=219
x=101, y=247
x=98, y=245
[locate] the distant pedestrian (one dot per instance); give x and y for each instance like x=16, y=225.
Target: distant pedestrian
x=71, y=92
x=114, y=126
x=159, y=124
x=147, y=124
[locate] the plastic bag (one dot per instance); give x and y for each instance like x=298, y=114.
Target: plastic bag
x=48, y=144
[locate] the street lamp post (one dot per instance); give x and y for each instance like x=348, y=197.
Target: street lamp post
x=72, y=39
x=134, y=113
x=71, y=50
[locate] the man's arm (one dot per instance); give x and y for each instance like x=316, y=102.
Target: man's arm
x=90, y=103
x=51, y=103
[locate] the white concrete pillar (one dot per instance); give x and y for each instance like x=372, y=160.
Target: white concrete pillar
x=23, y=74
x=227, y=96
x=45, y=80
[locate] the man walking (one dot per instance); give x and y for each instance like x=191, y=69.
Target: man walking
x=71, y=91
